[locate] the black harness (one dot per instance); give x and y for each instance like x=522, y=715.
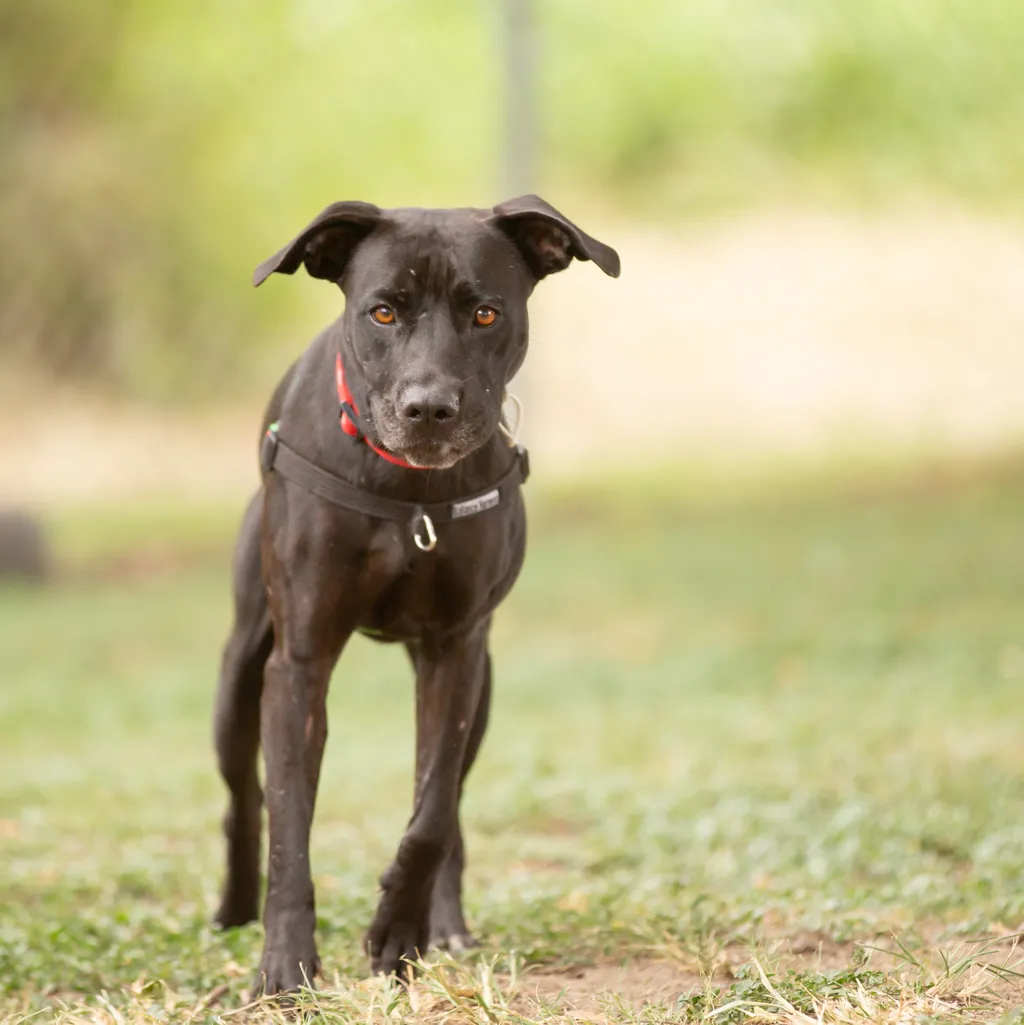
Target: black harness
x=280, y=458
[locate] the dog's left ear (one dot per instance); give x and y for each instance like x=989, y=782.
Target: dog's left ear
x=547, y=240
x=325, y=244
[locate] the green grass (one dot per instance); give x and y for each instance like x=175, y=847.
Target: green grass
x=717, y=725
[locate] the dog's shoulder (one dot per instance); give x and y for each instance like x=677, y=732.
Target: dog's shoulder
x=299, y=379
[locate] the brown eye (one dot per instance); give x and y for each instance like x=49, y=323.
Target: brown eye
x=485, y=316
x=383, y=314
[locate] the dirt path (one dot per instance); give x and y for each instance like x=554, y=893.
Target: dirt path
x=789, y=333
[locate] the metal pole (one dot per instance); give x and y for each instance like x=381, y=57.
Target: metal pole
x=518, y=170
x=520, y=114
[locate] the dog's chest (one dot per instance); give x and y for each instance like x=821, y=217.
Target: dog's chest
x=461, y=580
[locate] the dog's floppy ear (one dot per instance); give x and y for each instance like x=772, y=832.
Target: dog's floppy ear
x=325, y=244
x=547, y=240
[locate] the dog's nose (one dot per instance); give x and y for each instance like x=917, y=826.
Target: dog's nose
x=428, y=406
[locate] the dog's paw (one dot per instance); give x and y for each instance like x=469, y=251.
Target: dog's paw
x=285, y=972
x=234, y=912
x=453, y=942
x=394, y=939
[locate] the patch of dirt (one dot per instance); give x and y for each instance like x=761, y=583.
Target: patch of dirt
x=94, y=452
x=663, y=981
x=993, y=978
x=807, y=951
x=585, y=991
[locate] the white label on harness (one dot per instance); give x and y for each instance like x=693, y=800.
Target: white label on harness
x=472, y=506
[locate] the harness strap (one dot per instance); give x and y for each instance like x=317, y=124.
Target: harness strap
x=281, y=458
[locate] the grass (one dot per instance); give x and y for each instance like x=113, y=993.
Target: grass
x=743, y=740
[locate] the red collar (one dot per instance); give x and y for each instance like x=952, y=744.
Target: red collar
x=351, y=428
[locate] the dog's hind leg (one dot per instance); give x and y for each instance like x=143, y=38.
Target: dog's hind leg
x=237, y=724
x=448, y=929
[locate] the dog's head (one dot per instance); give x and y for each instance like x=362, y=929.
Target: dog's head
x=435, y=320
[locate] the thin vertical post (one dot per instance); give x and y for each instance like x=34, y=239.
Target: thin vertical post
x=520, y=145
x=520, y=112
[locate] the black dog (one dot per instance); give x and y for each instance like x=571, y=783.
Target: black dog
x=405, y=521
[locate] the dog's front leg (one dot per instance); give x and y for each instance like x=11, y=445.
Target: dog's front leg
x=311, y=625
x=449, y=677
x=293, y=732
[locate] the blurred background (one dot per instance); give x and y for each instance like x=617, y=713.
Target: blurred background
x=818, y=208
x=769, y=630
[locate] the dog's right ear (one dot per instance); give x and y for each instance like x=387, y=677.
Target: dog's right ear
x=325, y=244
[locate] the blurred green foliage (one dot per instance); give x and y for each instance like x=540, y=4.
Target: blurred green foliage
x=151, y=154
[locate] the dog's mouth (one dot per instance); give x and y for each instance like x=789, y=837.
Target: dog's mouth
x=431, y=456
x=435, y=449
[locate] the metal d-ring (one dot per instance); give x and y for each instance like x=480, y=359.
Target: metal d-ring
x=421, y=518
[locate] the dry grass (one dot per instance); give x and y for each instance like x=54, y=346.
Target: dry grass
x=887, y=985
